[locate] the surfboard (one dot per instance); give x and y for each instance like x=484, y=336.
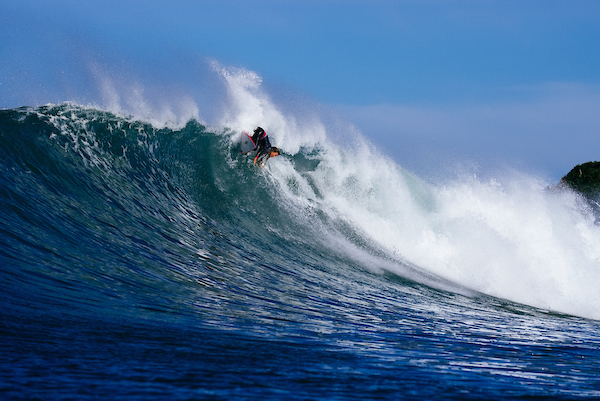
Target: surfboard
x=247, y=143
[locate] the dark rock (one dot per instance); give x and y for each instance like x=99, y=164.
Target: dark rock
x=584, y=178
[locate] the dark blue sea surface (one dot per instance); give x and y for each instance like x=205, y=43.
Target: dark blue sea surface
x=139, y=262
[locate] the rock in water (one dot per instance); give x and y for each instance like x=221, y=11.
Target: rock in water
x=584, y=178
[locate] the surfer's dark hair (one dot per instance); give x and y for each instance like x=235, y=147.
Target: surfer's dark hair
x=258, y=129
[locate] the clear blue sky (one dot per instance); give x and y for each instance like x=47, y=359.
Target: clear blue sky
x=487, y=82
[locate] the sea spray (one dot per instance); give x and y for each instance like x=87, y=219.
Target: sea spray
x=509, y=237
x=515, y=240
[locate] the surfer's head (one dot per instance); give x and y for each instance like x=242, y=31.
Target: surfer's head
x=274, y=152
x=258, y=130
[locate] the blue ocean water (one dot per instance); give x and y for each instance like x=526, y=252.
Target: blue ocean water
x=148, y=262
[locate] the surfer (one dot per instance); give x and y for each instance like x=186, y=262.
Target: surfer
x=263, y=146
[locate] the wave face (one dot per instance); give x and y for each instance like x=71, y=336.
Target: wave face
x=140, y=261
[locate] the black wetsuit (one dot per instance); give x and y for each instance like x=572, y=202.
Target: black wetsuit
x=263, y=146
